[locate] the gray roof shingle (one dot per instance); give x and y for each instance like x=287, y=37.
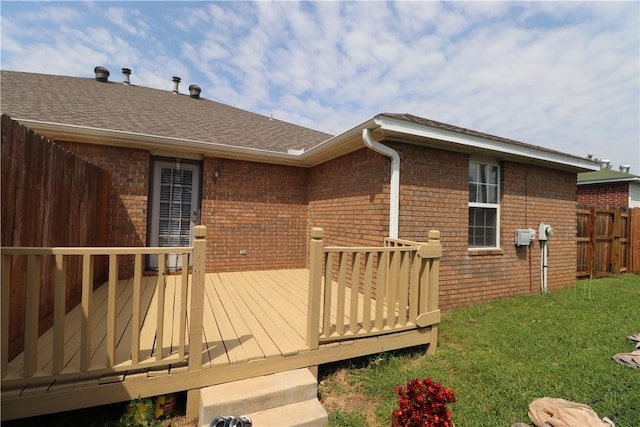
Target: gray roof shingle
x=87, y=102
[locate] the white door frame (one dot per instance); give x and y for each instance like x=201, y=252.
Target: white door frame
x=175, y=206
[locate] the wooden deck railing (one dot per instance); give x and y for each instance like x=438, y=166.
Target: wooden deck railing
x=61, y=366
x=388, y=289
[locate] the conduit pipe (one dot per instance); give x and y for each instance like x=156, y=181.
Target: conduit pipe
x=544, y=256
x=394, y=202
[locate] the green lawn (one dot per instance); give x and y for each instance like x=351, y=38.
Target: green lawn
x=498, y=357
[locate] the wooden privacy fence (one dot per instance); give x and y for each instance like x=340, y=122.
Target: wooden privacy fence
x=120, y=327
x=608, y=241
x=398, y=284
x=50, y=198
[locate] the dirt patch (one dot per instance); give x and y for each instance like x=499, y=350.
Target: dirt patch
x=340, y=392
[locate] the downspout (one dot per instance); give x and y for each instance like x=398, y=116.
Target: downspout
x=394, y=202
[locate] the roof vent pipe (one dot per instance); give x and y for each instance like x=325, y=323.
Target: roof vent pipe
x=176, y=82
x=394, y=202
x=126, y=72
x=102, y=74
x=194, y=91
x=605, y=164
x=625, y=168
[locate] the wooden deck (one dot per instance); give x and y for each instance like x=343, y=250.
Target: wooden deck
x=254, y=324
x=135, y=337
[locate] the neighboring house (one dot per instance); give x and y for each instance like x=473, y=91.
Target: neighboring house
x=609, y=188
x=253, y=179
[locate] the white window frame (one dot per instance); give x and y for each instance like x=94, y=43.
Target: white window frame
x=496, y=206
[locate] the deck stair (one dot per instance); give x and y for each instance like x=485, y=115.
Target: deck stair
x=285, y=399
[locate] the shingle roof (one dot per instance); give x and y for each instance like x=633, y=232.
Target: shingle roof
x=77, y=108
x=420, y=120
x=606, y=175
x=87, y=102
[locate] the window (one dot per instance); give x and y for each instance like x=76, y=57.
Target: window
x=484, y=214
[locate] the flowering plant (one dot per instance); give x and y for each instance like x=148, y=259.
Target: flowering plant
x=423, y=403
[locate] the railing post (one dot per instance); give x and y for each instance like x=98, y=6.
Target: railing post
x=196, y=314
x=197, y=297
x=315, y=287
x=434, y=288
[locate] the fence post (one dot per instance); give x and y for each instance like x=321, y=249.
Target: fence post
x=197, y=297
x=315, y=285
x=615, y=242
x=434, y=288
x=196, y=315
x=634, y=236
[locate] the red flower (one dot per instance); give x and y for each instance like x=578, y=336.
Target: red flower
x=423, y=403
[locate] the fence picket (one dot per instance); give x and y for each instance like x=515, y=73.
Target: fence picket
x=31, y=315
x=111, y=310
x=367, y=291
x=328, y=289
x=161, y=284
x=342, y=284
x=59, y=298
x=381, y=290
x=6, y=285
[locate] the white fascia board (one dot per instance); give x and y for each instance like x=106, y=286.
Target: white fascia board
x=140, y=140
x=308, y=156
x=476, y=142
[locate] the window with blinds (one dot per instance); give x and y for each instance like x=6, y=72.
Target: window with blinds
x=174, y=216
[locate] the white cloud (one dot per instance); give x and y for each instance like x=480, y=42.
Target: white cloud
x=120, y=17
x=559, y=74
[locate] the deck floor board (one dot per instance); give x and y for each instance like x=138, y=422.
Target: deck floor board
x=257, y=316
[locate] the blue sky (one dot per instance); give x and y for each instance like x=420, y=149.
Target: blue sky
x=562, y=75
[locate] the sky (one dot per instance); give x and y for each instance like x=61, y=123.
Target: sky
x=561, y=75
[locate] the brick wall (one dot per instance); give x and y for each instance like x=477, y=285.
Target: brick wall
x=129, y=178
x=612, y=195
x=128, y=171
x=434, y=195
x=268, y=210
x=349, y=199
x=257, y=208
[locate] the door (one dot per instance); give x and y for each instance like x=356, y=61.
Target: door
x=174, y=207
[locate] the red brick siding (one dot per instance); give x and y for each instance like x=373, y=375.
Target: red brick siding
x=268, y=211
x=612, y=195
x=434, y=195
x=349, y=199
x=129, y=185
x=128, y=171
x=256, y=207
x=531, y=195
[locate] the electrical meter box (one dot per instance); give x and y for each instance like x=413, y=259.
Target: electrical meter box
x=544, y=231
x=525, y=236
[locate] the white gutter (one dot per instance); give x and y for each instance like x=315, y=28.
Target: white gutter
x=154, y=142
x=394, y=202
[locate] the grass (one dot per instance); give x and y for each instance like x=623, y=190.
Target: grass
x=499, y=357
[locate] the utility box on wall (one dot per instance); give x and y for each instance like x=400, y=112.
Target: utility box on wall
x=525, y=236
x=545, y=231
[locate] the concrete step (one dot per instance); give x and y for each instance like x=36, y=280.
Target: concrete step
x=255, y=395
x=308, y=413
